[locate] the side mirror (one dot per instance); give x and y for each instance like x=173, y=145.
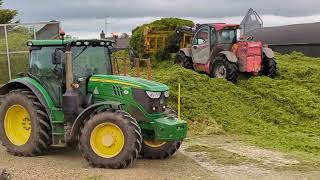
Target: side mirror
x=57, y=57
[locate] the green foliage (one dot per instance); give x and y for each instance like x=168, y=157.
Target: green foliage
x=17, y=38
x=6, y=15
x=137, y=39
x=280, y=113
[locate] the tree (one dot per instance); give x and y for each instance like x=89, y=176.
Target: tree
x=6, y=15
x=124, y=35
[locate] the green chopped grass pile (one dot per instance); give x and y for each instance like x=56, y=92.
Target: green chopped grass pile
x=137, y=39
x=281, y=113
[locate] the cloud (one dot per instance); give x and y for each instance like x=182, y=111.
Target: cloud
x=72, y=9
x=86, y=18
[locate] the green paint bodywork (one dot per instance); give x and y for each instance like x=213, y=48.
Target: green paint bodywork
x=162, y=128
x=57, y=42
x=55, y=114
x=156, y=127
x=136, y=82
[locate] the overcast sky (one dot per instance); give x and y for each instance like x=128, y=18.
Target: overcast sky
x=86, y=19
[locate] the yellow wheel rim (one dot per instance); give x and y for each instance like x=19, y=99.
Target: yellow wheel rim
x=154, y=144
x=17, y=125
x=107, y=140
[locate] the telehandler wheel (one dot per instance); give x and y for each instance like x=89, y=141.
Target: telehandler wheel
x=24, y=124
x=183, y=60
x=222, y=68
x=110, y=139
x=269, y=67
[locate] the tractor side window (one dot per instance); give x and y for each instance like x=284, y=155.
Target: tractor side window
x=213, y=37
x=201, y=37
x=41, y=61
x=228, y=36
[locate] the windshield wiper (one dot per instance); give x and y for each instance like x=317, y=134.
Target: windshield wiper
x=80, y=52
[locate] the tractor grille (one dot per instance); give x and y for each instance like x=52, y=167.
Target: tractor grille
x=117, y=90
x=148, y=103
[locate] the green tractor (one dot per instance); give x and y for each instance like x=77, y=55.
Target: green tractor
x=70, y=97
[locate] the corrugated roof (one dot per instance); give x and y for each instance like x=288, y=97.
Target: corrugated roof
x=290, y=34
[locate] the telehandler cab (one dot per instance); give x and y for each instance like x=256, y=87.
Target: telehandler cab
x=71, y=97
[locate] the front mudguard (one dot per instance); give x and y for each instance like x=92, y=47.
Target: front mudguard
x=165, y=129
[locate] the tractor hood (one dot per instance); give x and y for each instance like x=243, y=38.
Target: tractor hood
x=132, y=82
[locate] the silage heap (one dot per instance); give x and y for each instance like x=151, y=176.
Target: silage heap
x=282, y=113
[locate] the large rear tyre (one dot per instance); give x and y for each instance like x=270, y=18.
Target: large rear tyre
x=24, y=124
x=269, y=67
x=222, y=68
x=110, y=139
x=160, y=150
x=183, y=60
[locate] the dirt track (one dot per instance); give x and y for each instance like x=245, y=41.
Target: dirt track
x=63, y=164
x=219, y=157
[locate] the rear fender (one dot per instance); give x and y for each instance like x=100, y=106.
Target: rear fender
x=229, y=55
x=34, y=86
x=268, y=52
x=85, y=114
x=186, y=51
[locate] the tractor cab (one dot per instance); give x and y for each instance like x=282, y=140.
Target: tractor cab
x=48, y=63
x=212, y=38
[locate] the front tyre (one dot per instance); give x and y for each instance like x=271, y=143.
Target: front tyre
x=183, y=60
x=269, y=67
x=159, y=150
x=110, y=139
x=222, y=68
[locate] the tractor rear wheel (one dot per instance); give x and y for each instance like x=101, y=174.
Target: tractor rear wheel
x=110, y=139
x=222, y=68
x=24, y=124
x=269, y=67
x=160, y=150
x=183, y=60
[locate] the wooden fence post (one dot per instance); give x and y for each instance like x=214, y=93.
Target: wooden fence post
x=149, y=77
x=125, y=66
x=138, y=66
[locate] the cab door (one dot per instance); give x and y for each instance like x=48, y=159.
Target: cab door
x=201, y=46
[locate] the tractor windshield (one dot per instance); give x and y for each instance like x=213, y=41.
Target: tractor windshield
x=90, y=60
x=228, y=36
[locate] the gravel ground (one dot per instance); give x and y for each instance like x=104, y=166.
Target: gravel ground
x=257, y=163
x=67, y=164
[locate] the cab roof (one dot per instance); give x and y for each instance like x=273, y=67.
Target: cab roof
x=59, y=42
x=220, y=26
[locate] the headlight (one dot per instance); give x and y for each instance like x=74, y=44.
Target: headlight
x=166, y=94
x=153, y=95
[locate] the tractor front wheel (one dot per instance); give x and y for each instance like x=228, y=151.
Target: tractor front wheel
x=183, y=60
x=24, y=124
x=222, y=68
x=110, y=139
x=159, y=150
x=269, y=67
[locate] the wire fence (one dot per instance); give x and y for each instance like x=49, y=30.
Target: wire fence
x=14, y=53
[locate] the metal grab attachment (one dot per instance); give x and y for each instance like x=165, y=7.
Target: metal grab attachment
x=136, y=62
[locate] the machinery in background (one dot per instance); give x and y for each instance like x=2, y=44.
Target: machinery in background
x=216, y=50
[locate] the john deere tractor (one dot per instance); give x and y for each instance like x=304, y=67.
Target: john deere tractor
x=69, y=97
